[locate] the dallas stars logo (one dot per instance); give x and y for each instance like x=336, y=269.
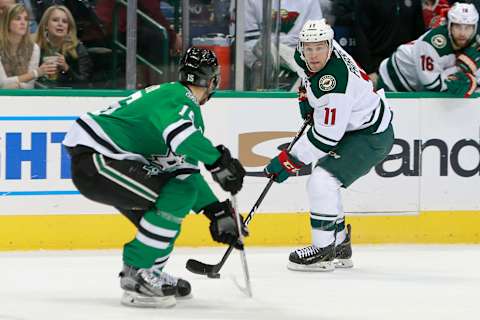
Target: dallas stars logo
x=167, y=161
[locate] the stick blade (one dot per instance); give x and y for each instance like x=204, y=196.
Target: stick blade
x=198, y=267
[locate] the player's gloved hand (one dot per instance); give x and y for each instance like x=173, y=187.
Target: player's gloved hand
x=461, y=84
x=223, y=225
x=469, y=60
x=305, y=109
x=283, y=166
x=228, y=172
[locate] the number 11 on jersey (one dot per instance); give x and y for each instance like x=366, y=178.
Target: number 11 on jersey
x=330, y=115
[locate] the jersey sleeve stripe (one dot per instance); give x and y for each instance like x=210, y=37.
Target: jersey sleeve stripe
x=436, y=85
x=317, y=143
x=180, y=136
x=400, y=76
x=95, y=136
x=176, y=132
x=172, y=127
x=322, y=137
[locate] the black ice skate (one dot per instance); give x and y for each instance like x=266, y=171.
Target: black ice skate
x=150, y=288
x=312, y=258
x=343, y=251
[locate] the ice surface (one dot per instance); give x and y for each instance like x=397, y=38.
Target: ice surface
x=387, y=282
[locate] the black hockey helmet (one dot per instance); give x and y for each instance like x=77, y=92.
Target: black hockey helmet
x=198, y=66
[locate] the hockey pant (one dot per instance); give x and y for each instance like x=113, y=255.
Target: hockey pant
x=155, y=202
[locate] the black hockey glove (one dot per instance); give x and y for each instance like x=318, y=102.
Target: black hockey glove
x=223, y=224
x=227, y=171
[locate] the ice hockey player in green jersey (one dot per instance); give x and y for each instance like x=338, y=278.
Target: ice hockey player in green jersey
x=351, y=132
x=444, y=59
x=141, y=155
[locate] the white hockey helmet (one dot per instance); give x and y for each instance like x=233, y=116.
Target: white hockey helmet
x=462, y=13
x=315, y=31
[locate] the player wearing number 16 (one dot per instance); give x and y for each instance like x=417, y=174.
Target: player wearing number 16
x=351, y=132
x=141, y=155
x=444, y=59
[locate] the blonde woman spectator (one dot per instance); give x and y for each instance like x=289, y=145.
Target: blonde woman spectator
x=58, y=42
x=19, y=56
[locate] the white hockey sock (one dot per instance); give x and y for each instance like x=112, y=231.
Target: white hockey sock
x=341, y=235
x=321, y=238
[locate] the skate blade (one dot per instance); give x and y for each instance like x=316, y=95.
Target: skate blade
x=137, y=300
x=324, y=266
x=343, y=263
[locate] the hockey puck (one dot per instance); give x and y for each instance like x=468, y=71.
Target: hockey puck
x=213, y=275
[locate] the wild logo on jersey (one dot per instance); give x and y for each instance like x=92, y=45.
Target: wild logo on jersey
x=327, y=83
x=439, y=41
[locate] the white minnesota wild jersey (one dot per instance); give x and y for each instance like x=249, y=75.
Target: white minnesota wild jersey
x=421, y=65
x=344, y=100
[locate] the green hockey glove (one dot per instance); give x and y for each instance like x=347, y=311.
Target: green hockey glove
x=469, y=60
x=461, y=84
x=283, y=166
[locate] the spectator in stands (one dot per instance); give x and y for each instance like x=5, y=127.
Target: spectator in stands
x=293, y=15
x=435, y=13
x=446, y=58
x=57, y=39
x=379, y=27
x=19, y=55
x=4, y=4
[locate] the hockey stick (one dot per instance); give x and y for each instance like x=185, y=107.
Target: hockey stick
x=243, y=256
x=212, y=270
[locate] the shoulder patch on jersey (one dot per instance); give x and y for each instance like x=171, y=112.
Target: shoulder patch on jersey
x=327, y=82
x=439, y=41
x=333, y=78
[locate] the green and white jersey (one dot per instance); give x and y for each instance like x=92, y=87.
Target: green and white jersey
x=421, y=65
x=343, y=100
x=160, y=124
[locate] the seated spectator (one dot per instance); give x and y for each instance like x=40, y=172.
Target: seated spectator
x=435, y=13
x=19, y=56
x=293, y=15
x=4, y=4
x=57, y=39
x=444, y=59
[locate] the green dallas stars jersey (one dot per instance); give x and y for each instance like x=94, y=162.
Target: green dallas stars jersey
x=343, y=100
x=161, y=124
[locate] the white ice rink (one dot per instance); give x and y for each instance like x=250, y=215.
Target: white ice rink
x=387, y=282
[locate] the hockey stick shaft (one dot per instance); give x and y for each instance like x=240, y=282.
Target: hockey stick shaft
x=202, y=268
x=243, y=256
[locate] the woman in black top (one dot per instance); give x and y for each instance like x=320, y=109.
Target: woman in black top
x=57, y=39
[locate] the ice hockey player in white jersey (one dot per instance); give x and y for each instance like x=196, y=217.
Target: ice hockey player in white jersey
x=443, y=59
x=351, y=132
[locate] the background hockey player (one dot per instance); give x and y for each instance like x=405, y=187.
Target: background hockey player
x=443, y=59
x=141, y=156
x=351, y=133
